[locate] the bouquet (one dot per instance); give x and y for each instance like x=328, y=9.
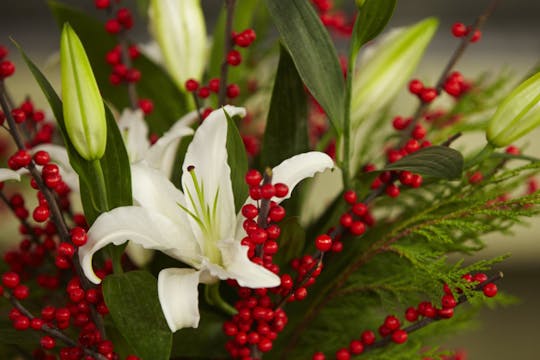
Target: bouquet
x=257, y=193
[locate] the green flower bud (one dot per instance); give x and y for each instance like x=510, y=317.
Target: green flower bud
x=386, y=67
x=179, y=28
x=517, y=114
x=84, y=112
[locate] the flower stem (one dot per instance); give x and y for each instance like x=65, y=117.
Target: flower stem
x=213, y=297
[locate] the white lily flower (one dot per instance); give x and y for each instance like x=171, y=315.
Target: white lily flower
x=198, y=227
x=7, y=174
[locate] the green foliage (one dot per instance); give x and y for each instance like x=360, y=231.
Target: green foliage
x=287, y=115
x=132, y=299
x=313, y=53
x=237, y=159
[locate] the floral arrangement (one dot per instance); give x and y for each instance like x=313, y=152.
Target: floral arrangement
x=256, y=195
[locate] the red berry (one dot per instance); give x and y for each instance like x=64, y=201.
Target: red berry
x=411, y=314
x=318, y=356
x=3, y=52
x=343, y=354
x=448, y=301
x=234, y=58
x=350, y=196
x=21, y=292
x=10, y=279
x=490, y=290
x=267, y=191
x=6, y=69
x=368, y=337
x=400, y=123
x=265, y=345
x=392, y=322
x=416, y=86
x=102, y=4
x=452, y=88
x=514, y=150
x=356, y=347
x=446, y=313
x=277, y=213
x=192, y=85
x=47, y=342
x=78, y=236
x=427, y=95
x=203, y=92
x=419, y=132
x=233, y=91
x=113, y=57
x=357, y=228
x=133, y=75
x=18, y=115
x=300, y=293
x=392, y=190
x=323, y=243
x=42, y=157
x=112, y=26
x=253, y=177
x=123, y=15
x=146, y=105
x=250, y=211
x=416, y=181
x=281, y=190
x=37, y=323
x=41, y=213
x=21, y=323
x=476, y=178
x=360, y=209
x=476, y=36
x=213, y=85
x=399, y=336
x=459, y=30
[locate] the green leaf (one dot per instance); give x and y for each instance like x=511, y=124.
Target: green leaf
x=291, y=240
x=115, y=161
x=313, y=53
x=169, y=102
x=372, y=17
x=206, y=341
x=132, y=299
x=287, y=115
x=435, y=161
x=237, y=159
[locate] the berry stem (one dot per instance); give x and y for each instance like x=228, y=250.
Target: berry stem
x=264, y=209
x=50, y=330
x=229, y=7
x=426, y=321
x=456, y=56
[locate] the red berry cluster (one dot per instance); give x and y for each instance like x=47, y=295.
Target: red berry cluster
x=335, y=20
x=425, y=94
x=36, y=129
x=7, y=68
x=258, y=321
x=461, y=30
x=392, y=330
x=204, y=91
x=455, y=85
x=355, y=220
x=120, y=72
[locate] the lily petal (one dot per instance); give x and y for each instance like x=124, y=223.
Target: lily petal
x=135, y=133
x=297, y=168
x=245, y=272
x=6, y=174
x=179, y=297
x=161, y=155
x=211, y=178
x=144, y=227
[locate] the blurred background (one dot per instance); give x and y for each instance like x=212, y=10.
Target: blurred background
x=510, y=41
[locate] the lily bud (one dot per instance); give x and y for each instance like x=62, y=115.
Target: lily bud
x=517, y=114
x=179, y=28
x=84, y=112
x=385, y=67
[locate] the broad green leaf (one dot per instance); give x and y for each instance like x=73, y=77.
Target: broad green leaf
x=373, y=15
x=313, y=53
x=237, y=159
x=291, y=241
x=287, y=115
x=115, y=162
x=206, y=341
x=439, y=162
x=169, y=102
x=132, y=299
